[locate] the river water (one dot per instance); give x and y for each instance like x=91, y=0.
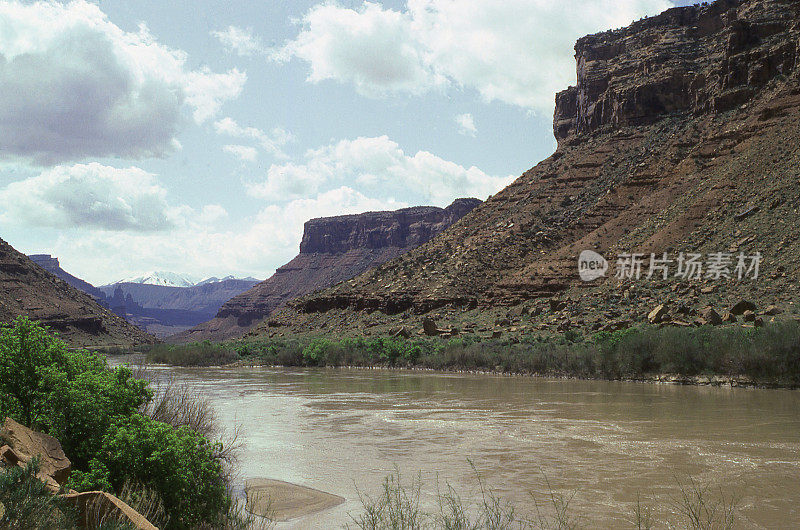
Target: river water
x=601, y=444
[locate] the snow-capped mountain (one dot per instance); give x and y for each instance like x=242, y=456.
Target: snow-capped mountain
x=168, y=279
x=214, y=279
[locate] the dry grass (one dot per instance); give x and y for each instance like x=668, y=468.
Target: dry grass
x=397, y=507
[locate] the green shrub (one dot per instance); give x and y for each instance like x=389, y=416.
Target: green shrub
x=93, y=411
x=177, y=463
x=71, y=395
x=203, y=353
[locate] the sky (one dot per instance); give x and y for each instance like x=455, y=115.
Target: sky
x=198, y=136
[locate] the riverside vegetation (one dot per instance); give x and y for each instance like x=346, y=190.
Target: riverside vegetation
x=768, y=355
x=150, y=443
x=152, y=447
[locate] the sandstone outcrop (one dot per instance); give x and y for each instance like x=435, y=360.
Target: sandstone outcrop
x=682, y=134
x=23, y=445
x=333, y=250
x=95, y=507
x=28, y=290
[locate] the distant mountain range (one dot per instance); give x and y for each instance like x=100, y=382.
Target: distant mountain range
x=161, y=303
x=173, y=279
x=167, y=279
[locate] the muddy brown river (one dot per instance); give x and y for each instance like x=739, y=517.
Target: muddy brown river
x=601, y=444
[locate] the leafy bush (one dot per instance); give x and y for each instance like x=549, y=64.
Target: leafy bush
x=177, y=463
x=71, y=395
x=94, y=412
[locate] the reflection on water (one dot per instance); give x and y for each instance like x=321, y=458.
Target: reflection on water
x=338, y=430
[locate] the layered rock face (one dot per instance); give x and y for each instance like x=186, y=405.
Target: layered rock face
x=682, y=134
x=27, y=289
x=333, y=249
x=698, y=59
x=406, y=228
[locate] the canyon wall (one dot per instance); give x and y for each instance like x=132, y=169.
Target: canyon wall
x=333, y=249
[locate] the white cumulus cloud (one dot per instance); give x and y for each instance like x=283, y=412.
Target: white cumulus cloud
x=244, y=153
x=380, y=168
x=75, y=85
x=89, y=196
x=372, y=47
x=466, y=125
x=516, y=51
x=272, y=142
x=239, y=40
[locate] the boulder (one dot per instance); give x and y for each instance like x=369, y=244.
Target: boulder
x=429, y=327
x=743, y=305
x=729, y=318
x=658, y=314
x=712, y=317
x=403, y=332
x=26, y=444
x=96, y=507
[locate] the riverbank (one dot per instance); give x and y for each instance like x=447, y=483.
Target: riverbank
x=766, y=357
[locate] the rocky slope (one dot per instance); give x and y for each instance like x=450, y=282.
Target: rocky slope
x=27, y=289
x=333, y=249
x=52, y=265
x=682, y=134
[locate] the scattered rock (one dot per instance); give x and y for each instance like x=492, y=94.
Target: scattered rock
x=8, y=456
x=772, y=310
x=616, y=326
x=759, y=322
x=54, y=466
x=748, y=316
x=403, y=332
x=658, y=314
x=743, y=305
x=746, y=213
x=729, y=318
x=681, y=324
x=712, y=317
x=557, y=305
x=708, y=289
x=429, y=327
x=497, y=334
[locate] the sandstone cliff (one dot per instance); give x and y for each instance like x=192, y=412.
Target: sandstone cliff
x=27, y=289
x=682, y=134
x=333, y=249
